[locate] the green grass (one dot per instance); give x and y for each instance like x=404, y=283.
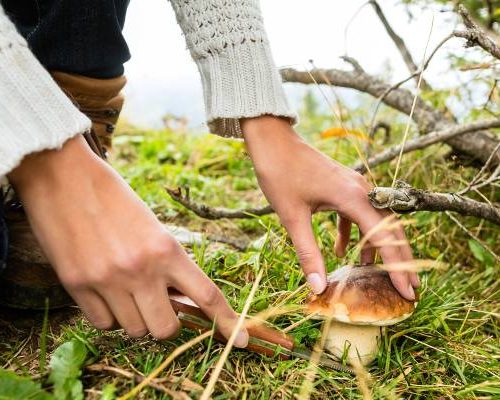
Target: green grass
x=450, y=347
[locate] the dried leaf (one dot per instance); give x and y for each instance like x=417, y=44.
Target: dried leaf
x=341, y=132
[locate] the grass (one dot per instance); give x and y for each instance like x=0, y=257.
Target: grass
x=450, y=347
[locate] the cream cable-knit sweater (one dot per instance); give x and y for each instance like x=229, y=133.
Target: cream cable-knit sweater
x=226, y=39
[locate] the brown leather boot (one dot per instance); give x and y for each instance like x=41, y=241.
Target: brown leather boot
x=99, y=99
x=28, y=280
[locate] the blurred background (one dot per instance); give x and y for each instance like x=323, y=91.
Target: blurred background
x=163, y=80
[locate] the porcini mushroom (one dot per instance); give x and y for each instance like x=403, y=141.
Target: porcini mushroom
x=359, y=301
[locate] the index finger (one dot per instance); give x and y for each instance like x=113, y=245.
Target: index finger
x=372, y=225
x=192, y=281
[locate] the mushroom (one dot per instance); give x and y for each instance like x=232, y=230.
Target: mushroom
x=359, y=301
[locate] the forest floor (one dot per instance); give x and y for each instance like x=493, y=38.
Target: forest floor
x=449, y=348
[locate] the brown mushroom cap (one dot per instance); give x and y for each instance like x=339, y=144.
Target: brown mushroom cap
x=361, y=295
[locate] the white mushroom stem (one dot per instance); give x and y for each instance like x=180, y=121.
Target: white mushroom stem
x=359, y=342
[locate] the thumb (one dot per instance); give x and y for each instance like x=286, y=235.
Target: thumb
x=302, y=235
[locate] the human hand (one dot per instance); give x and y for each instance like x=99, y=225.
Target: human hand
x=298, y=180
x=110, y=252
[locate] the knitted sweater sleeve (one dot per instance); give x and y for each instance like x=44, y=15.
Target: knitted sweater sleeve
x=35, y=114
x=227, y=40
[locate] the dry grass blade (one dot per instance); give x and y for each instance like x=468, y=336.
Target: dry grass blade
x=413, y=266
x=307, y=384
x=155, y=383
x=363, y=380
x=272, y=312
x=414, y=103
x=241, y=320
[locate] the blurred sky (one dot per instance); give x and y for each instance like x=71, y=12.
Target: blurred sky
x=163, y=78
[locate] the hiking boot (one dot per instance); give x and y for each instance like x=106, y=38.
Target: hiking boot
x=99, y=99
x=28, y=281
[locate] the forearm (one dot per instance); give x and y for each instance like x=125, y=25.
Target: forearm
x=34, y=113
x=228, y=42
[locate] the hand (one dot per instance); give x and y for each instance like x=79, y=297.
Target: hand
x=298, y=180
x=110, y=252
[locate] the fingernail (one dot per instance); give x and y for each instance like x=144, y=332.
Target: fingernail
x=241, y=339
x=317, y=284
x=411, y=292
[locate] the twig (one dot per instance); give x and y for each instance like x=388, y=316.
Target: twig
x=472, y=184
x=178, y=351
x=407, y=199
x=155, y=384
x=385, y=127
x=414, y=75
x=400, y=44
x=413, y=105
x=475, y=35
x=427, y=140
x=215, y=213
x=461, y=226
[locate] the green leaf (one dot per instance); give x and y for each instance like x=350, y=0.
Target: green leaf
x=65, y=364
x=14, y=387
x=480, y=253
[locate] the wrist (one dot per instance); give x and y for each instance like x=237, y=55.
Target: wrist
x=39, y=169
x=267, y=127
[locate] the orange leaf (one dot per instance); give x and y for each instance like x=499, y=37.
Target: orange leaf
x=341, y=132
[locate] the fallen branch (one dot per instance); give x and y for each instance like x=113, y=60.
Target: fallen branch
x=404, y=198
x=475, y=35
x=208, y=212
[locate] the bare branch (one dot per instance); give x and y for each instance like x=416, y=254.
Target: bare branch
x=427, y=140
x=207, y=212
x=405, y=199
x=474, y=182
x=355, y=63
x=400, y=99
x=475, y=35
x=400, y=44
x=414, y=75
x=381, y=125
x=478, y=145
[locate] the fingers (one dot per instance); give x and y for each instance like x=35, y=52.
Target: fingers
x=407, y=256
x=300, y=230
x=343, y=236
x=367, y=255
x=94, y=308
x=191, y=281
x=371, y=225
x=157, y=311
x=125, y=310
